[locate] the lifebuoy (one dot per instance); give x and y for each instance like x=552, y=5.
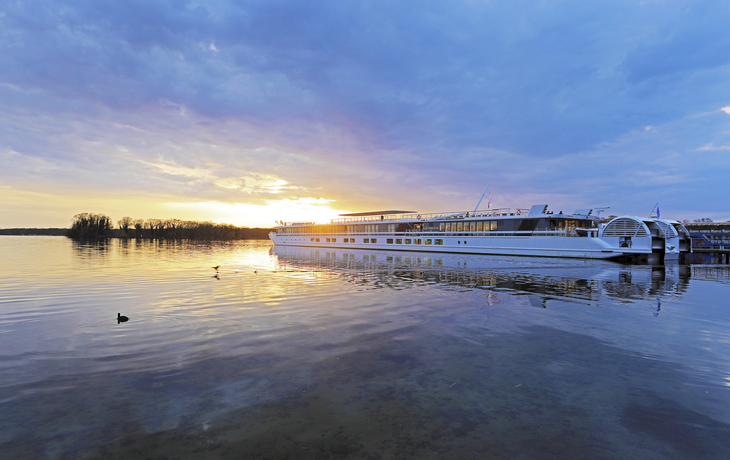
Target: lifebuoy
x=519, y=212
x=418, y=217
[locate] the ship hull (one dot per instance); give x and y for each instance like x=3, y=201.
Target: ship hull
x=534, y=246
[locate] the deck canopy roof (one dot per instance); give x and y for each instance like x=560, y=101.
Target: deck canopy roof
x=376, y=213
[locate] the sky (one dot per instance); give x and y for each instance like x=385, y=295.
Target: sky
x=247, y=112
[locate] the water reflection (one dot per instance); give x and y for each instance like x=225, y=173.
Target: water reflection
x=315, y=354
x=91, y=249
x=577, y=280
x=711, y=273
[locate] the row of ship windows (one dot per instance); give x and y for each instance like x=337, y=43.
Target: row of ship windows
x=448, y=227
x=486, y=226
x=483, y=226
x=427, y=241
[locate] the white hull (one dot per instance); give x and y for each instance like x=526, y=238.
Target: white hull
x=538, y=246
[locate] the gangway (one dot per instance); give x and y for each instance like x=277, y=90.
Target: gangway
x=711, y=238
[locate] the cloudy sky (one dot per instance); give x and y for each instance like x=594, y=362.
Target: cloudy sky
x=249, y=111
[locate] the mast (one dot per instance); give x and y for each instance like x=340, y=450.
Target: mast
x=480, y=199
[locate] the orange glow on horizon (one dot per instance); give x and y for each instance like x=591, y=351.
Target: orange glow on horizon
x=266, y=215
x=43, y=209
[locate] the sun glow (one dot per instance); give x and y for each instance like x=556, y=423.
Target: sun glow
x=266, y=215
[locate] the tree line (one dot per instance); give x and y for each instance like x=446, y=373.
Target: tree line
x=703, y=220
x=90, y=226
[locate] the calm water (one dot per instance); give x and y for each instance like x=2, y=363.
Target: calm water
x=333, y=354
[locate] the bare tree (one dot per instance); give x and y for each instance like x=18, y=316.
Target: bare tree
x=90, y=226
x=123, y=225
x=138, y=223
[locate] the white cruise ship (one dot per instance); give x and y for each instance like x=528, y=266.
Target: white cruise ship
x=504, y=231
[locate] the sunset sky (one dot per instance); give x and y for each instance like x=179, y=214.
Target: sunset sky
x=249, y=111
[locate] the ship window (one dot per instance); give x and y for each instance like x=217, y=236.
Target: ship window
x=442, y=227
x=460, y=227
x=373, y=240
x=317, y=240
x=334, y=240
x=398, y=241
x=480, y=226
x=428, y=241
x=439, y=242
x=417, y=241
x=312, y=239
x=473, y=226
x=347, y=240
x=493, y=225
x=389, y=241
x=408, y=241
x=366, y=240
x=328, y=240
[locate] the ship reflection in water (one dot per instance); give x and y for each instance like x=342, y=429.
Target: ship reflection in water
x=617, y=362
x=545, y=279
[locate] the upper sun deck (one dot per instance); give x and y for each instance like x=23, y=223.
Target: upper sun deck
x=411, y=216
x=393, y=216
x=376, y=216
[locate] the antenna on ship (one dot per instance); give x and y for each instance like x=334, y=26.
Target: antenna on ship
x=480, y=199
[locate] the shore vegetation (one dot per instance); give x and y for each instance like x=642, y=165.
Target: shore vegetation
x=90, y=226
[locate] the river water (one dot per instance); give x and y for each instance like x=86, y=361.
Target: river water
x=298, y=353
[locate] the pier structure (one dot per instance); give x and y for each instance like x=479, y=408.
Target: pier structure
x=711, y=238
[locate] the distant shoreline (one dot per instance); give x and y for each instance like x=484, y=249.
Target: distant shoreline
x=257, y=233
x=34, y=231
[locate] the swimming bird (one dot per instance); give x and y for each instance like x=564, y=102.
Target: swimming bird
x=216, y=267
x=121, y=319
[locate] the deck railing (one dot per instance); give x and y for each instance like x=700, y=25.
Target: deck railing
x=498, y=212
